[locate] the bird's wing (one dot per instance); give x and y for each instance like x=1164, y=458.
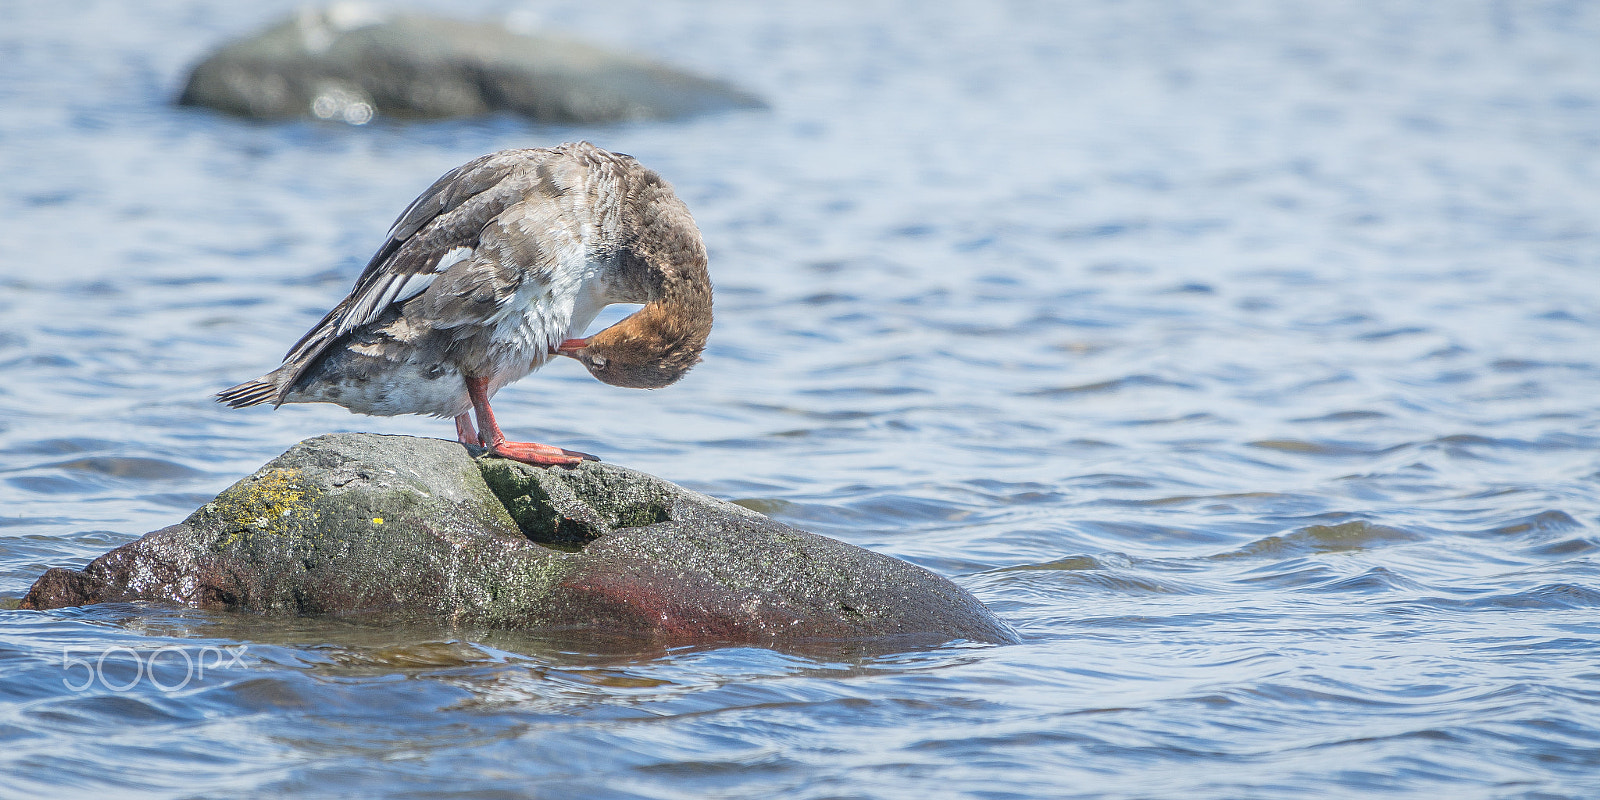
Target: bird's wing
x=440, y=229
x=533, y=250
x=530, y=253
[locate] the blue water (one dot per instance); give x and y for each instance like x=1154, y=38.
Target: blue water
x=1240, y=354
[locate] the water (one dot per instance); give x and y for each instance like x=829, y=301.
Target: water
x=1240, y=355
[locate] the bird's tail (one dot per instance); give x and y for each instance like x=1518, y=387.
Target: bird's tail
x=248, y=393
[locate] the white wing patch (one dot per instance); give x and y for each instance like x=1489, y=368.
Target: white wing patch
x=394, y=289
x=414, y=285
x=452, y=258
x=419, y=283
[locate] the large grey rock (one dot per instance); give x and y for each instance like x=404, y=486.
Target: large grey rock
x=405, y=527
x=349, y=63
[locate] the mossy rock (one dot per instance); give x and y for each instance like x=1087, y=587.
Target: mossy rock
x=360, y=524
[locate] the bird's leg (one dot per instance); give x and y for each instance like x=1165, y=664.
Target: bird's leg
x=526, y=452
x=465, y=432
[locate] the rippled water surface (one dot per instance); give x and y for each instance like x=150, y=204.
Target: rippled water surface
x=1241, y=355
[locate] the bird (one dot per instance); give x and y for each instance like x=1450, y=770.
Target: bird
x=497, y=268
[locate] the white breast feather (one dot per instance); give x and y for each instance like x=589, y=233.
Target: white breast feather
x=547, y=308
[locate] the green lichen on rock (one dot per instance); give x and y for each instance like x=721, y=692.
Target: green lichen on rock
x=635, y=502
x=567, y=509
x=529, y=504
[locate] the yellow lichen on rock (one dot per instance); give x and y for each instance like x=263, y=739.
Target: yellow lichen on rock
x=265, y=505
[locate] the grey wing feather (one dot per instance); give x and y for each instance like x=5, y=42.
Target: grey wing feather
x=481, y=291
x=452, y=213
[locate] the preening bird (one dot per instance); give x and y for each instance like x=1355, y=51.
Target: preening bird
x=498, y=267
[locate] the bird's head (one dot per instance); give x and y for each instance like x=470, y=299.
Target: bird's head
x=662, y=259
x=650, y=349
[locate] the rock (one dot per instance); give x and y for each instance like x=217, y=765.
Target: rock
x=350, y=63
x=401, y=527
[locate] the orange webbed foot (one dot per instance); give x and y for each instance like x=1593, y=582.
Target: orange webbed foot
x=539, y=455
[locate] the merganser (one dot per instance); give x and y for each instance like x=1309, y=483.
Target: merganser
x=491, y=272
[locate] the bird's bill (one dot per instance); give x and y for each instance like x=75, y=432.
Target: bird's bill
x=570, y=347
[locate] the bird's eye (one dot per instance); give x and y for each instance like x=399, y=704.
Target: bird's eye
x=598, y=361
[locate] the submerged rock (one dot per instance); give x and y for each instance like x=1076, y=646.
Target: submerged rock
x=362, y=524
x=349, y=63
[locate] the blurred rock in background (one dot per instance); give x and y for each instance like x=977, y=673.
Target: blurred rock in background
x=351, y=63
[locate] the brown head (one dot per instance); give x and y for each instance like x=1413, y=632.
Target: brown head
x=650, y=349
x=664, y=262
